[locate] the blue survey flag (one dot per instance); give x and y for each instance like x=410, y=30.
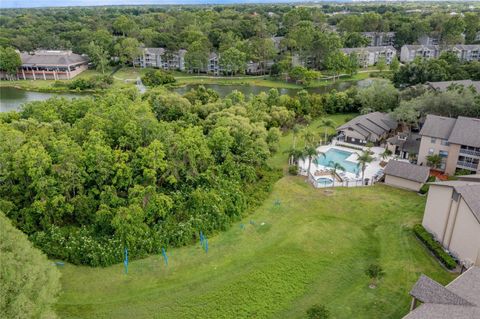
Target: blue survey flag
x=125, y=260
x=165, y=257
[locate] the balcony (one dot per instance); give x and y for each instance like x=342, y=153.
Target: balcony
x=470, y=152
x=463, y=164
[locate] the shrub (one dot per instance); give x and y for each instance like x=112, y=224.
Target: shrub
x=293, y=170
x=424, y=189
x=157, y=77
x=434, y=246
x=28, y=279
x=82, y=84
x=374, y=272
x=318, y=312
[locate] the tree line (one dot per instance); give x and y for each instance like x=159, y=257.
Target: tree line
x=238, y=33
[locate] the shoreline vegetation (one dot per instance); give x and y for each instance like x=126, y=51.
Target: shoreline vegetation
x=126, y=77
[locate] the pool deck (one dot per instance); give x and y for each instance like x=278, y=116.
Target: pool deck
x=370, y=171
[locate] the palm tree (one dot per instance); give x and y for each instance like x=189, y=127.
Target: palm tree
x=327, y=123
x=386, y=154
x=363, y=159
x=309, y=138
x=335, y=166
x=434, y=160
x=310, y=152
x=295, y=131
x=293, y=155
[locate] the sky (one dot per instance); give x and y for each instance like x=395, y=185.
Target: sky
x=56, y=3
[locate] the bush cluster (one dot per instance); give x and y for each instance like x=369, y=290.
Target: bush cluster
x=157, y=77
x=434, y=246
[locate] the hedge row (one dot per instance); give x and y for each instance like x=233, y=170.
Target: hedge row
x=434, y=246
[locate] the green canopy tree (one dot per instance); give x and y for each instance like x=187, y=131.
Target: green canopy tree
x=30, y=283
x=336, y=63
x=196, y=57
x=9, y=61
x=98, y=56
x=233, y=61
x=128, y=49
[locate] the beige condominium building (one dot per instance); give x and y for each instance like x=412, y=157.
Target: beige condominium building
x=452, y=215
x=457, y=141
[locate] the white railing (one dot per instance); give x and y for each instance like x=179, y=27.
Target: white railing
x=470, y=152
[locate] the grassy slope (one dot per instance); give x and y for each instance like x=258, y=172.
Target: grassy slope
x=313, y=248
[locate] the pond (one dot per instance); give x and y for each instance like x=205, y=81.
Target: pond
x=12, y=98
x=224, y=90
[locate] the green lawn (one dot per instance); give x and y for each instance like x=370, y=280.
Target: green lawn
x=126, y=76
x=312, y=248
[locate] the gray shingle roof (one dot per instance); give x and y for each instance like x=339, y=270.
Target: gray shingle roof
x=369, y=49
x=372, y=123
x=52, y=58
x=466, y=132
x=437, y=126
x=429, y=291
x=410, y=144
x=460, y=299
x=444, y=85
x=408, y=171
x=420, y=46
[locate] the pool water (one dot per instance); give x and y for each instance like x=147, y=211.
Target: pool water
x=322, y=181
x=338, y=156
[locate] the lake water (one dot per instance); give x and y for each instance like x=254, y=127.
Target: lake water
x=224, y=90
x=12, y=98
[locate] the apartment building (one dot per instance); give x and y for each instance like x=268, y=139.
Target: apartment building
x=370, y=55
x=464, y=52
x=429, y=40
x=452, y=216
x=380, y=38
x=457, y=141
x=161, y=58
x=408, y=52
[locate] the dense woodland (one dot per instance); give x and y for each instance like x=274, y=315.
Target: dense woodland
x=239, y=33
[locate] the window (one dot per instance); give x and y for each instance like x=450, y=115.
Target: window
x=430, y=151
x=444, y=142
x=433, y=140
x=443, y=153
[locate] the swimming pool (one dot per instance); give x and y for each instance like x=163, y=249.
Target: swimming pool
x=324, y=181
x=338, y=156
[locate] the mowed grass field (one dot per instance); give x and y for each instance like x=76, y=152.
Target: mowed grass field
x=312, y=248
